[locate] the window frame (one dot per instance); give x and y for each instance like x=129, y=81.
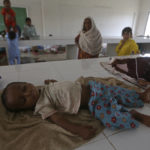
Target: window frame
x=148, y=21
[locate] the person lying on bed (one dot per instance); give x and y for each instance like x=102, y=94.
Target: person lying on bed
x=105, y=103
x=138, y=68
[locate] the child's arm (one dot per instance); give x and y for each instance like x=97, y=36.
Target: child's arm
x=77, y=40
x=34, y=30
x=120, y=61
x=5, y=23
x=86, y=132
x=120, y=45
x=3, y=14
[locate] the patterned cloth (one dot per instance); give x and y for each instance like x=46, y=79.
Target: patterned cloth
x=9, y=17
x=91, y=40
x=106, y=104
x=84, y=55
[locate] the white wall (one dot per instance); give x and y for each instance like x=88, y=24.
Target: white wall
x=143, y=16
x=33, y=11
x=63, y=18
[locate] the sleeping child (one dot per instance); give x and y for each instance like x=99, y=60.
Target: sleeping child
x=105, y=102
x=138, y=68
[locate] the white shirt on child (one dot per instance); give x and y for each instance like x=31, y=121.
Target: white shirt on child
x=59, y=97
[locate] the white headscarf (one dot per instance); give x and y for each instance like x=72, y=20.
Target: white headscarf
x=91, y=41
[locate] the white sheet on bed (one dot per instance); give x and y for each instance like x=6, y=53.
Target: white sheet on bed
x=70, y=70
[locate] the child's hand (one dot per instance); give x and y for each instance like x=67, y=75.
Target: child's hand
x=87, y=132
x=124, y=40
x=114, y=63
x=48, y=81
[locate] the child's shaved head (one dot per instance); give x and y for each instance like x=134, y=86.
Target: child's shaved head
x=19, y=96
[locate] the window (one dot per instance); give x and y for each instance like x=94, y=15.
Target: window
x=147, y=30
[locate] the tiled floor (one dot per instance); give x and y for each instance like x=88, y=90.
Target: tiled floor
x=138, y=139
x=99, y=145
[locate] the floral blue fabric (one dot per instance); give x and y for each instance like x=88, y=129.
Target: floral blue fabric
x=107, y=104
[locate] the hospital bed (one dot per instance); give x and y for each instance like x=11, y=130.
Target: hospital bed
x=36, y=73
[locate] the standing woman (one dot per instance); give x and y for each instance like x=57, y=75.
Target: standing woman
x=89, y=41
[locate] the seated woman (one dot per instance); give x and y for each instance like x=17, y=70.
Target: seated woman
x=127, y=45
x=138, y=68
x=89, y=41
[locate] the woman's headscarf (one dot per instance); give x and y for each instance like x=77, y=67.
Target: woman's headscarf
x=91, y=41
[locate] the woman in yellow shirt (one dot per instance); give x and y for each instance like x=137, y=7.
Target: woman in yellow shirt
x=127, y=45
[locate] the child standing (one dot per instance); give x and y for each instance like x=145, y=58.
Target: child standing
x=9, y=16
x=13, y=48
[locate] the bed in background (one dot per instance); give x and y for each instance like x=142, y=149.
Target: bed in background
x=108, y=66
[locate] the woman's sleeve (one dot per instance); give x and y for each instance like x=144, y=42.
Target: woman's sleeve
x=77, y=39
x=117, y=48
x=134, y=48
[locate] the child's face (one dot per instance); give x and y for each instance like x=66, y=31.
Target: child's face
x=22, y=96
x=126, y=35
x=87, y=24
x=7, y=4
x=28, y=22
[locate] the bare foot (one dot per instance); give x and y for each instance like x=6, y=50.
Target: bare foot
x=145, y=119
x=133, y=112
x=146, y=96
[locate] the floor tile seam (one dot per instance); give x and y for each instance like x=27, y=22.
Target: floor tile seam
x=107, y=138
